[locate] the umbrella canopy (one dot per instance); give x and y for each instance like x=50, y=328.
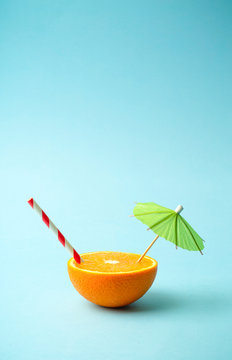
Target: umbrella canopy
x=169, y=224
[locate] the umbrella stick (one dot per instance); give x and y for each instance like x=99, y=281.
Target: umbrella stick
x=148, y=248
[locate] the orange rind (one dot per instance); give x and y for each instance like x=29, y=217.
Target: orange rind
x=112, y=279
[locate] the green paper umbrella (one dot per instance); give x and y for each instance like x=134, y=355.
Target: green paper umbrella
x=168, y=224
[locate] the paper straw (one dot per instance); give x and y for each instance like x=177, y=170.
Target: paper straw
x=57, y=232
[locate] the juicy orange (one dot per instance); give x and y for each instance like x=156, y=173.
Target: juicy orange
x=112, y=279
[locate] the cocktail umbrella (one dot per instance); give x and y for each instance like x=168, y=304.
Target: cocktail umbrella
x=168, y=224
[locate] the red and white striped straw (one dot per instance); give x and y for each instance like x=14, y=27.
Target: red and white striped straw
x=57, y=232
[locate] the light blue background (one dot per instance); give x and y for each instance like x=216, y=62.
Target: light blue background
x=104, y=103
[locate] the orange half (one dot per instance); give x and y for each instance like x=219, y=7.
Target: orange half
x=112, y=279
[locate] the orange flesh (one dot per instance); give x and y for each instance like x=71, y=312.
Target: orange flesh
x=107, y=261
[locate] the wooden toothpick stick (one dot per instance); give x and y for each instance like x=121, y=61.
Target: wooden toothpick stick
x=141, y=257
